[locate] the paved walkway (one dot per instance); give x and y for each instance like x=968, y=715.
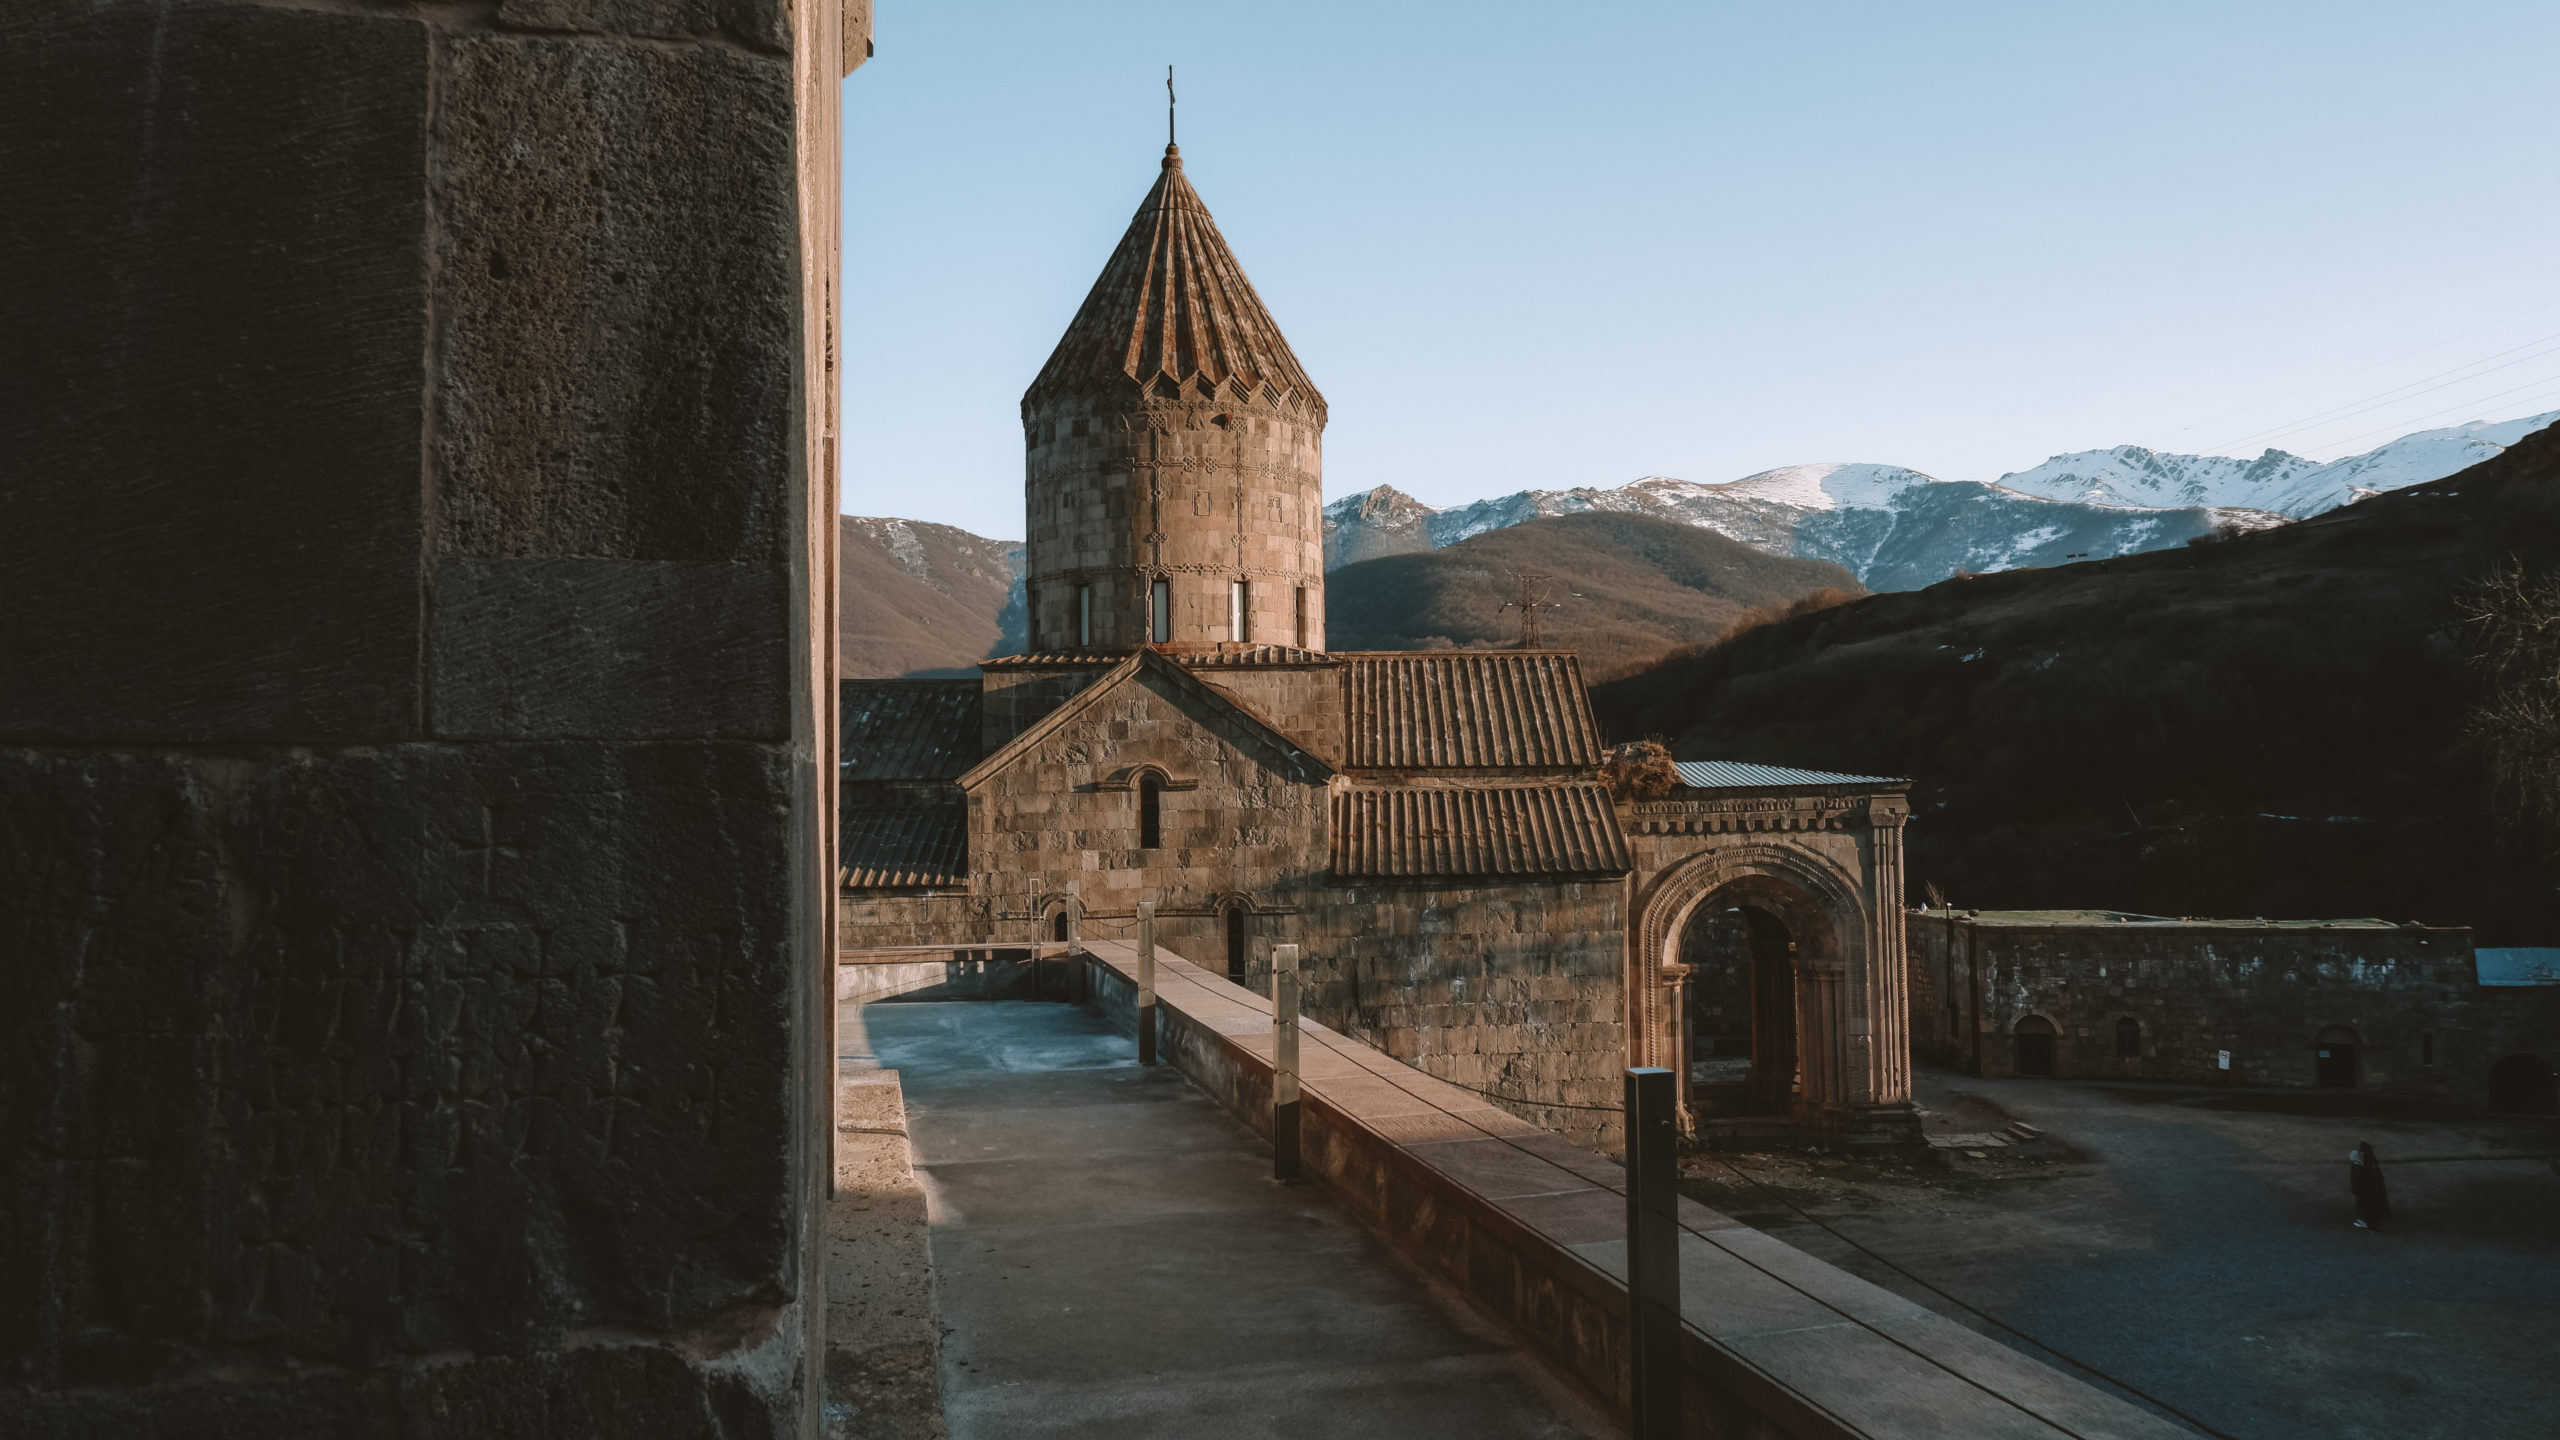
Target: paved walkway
x=1113, y=1259
x=2196, y=1243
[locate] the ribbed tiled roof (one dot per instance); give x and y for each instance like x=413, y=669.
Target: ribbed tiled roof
x=905, y=848
x=906, y=729
x=1173, y=302
x=1507, y=830
x=1467, y=708
x=1737, y=775
x=1250, y=655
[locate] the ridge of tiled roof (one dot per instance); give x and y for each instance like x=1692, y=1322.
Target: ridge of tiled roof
x=1135, y=663
x=1404, y=832
x=1440, y=709
x=1250, y=656
x=1063, y=658
x=1173, y=303
x=906, y=729
x=904, y=847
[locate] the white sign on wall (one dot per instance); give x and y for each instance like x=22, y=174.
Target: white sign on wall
x=2224, y=1060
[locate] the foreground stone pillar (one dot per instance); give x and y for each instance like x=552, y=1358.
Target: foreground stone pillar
x=415, y=491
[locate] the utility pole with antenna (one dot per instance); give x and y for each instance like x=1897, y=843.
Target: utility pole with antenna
x=1533, y=601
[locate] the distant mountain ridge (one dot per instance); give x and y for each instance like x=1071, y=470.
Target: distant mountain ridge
x=1625, y=589
x=919, y=599
x=1900, y=529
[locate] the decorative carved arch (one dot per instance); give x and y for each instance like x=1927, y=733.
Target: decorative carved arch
x=1822, y=906
x=1665, y=906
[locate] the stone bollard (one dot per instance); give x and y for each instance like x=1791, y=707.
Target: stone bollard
x=1284, y=1063
x=1653, y=1256
x=1146, y=982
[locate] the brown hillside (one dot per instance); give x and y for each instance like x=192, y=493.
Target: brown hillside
x=2269, y=725
x=924, y=600
x=1631, y=589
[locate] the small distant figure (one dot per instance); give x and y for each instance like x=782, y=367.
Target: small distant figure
x=2364, y=1179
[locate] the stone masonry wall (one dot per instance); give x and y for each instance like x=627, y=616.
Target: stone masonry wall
x=412, y=836
x=1513, y=989
x=2262, y=992
x=1199, y=488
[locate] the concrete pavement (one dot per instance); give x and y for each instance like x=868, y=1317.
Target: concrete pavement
x=1112, y=1258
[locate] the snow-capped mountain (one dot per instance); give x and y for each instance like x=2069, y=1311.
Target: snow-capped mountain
x=1899, y=529
x=2286, y=484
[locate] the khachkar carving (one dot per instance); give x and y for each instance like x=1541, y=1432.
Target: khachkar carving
x=1174, y=454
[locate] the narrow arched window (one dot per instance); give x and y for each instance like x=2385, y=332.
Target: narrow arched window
x=1084, y=617
x=1235, y=942
x=1150, y=812
x=1164, y=610
x=2128, y=1039
x=1058, y=925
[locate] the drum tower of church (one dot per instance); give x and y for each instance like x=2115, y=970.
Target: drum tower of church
x=1175, y=492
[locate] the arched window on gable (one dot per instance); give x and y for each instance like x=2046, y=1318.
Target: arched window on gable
x=1150, y=811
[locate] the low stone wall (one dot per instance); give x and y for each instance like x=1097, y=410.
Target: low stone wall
x=2193, y=990
x=870, y=977
x=1532, y=1230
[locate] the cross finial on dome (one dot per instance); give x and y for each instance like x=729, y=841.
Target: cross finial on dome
x=1169, y=148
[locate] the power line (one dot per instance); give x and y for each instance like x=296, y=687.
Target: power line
x=2365, y=370
x=2452, y=409
x=2395, y=394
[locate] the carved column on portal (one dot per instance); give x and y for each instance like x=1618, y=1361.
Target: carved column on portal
x=1819, y=1037
x=1675, y=1048
x=1884, y=1113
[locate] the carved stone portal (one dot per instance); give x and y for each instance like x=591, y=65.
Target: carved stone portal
x=1766, y=964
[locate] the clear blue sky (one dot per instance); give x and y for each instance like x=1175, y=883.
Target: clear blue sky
x=1555, y=244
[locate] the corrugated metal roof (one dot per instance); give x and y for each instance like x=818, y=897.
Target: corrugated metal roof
x=1460, y=709
x=903, y=848
x=1736, y=775
x=1505, y=830
x=2518, y=965
x=907, y=729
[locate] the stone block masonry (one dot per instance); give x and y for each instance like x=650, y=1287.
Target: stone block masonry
x=2159, y=998
x=414, y=838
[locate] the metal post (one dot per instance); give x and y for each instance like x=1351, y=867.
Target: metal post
x=1284, y=1062
x=1075, y=946
x=1146, y=982
x=1653, y=1256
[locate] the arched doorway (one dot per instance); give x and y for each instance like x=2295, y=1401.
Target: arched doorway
x=2523, y=1085
x=2334, y=1060
x=1757, y=973
x=1741, y=1003
x=2035, y=1037
x=2036, y=1044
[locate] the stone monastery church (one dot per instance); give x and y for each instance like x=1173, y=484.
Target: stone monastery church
x=1431, y=828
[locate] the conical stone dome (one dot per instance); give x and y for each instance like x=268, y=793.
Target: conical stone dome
x=1174, y=455
x=1174, y=304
